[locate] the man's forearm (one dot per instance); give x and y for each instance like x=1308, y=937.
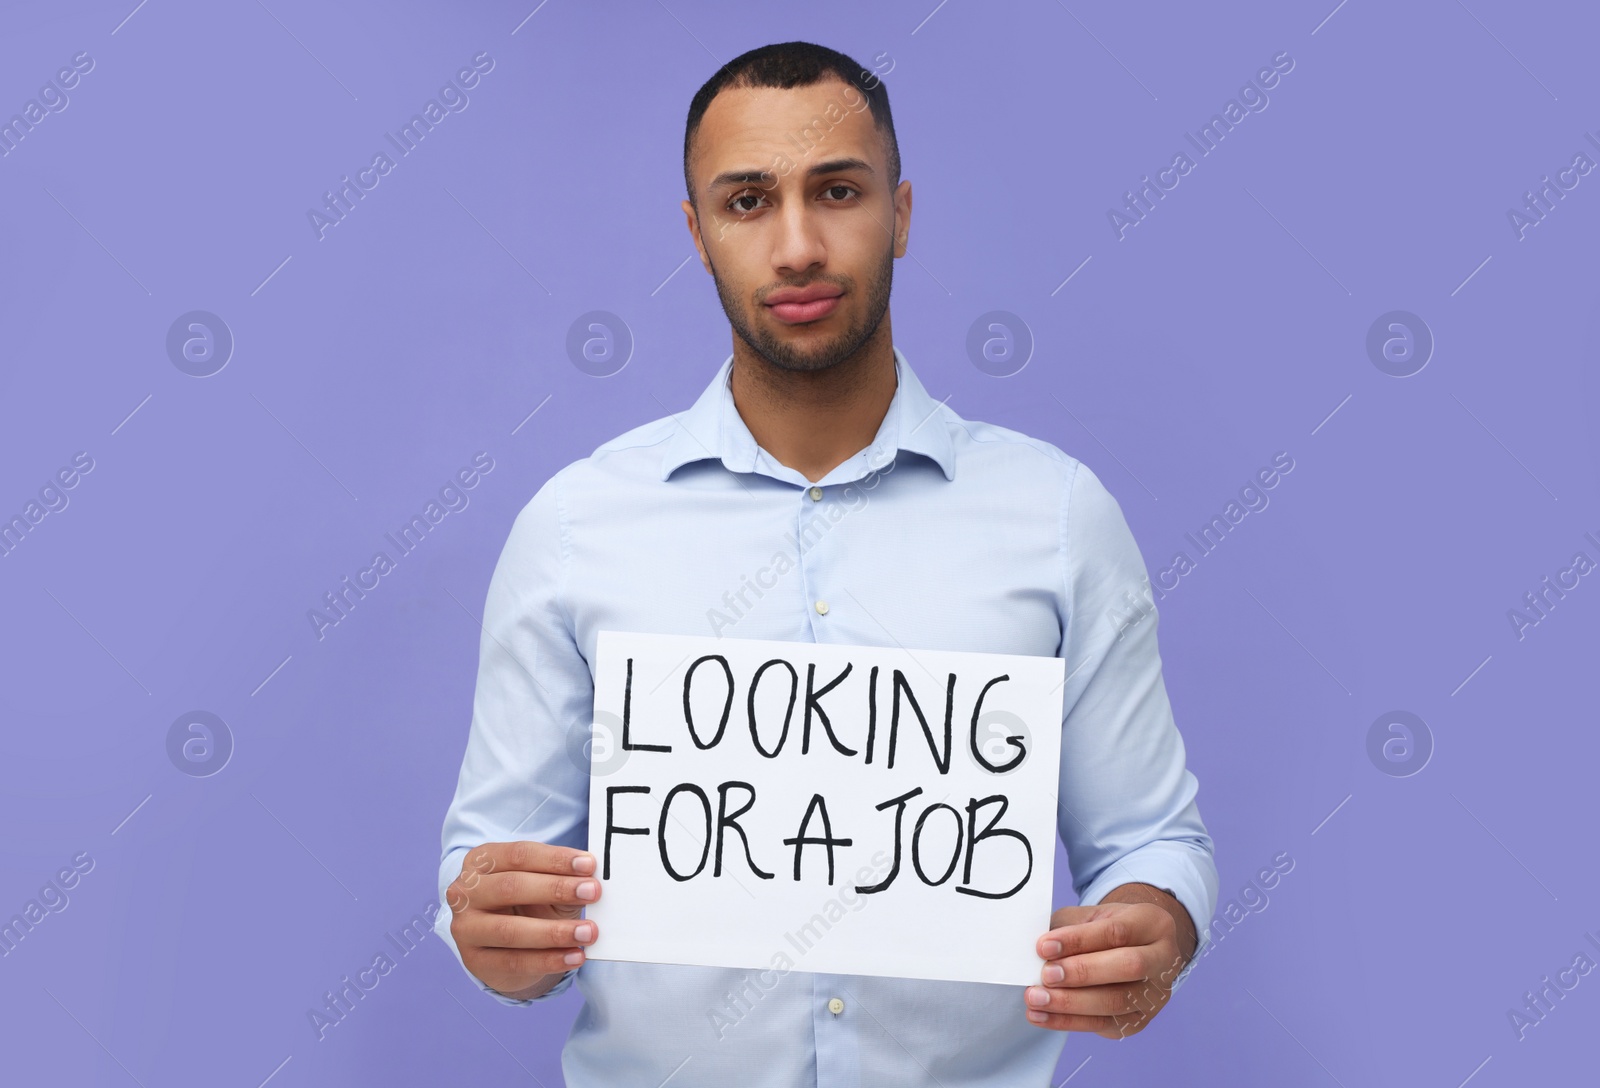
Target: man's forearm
x=1188, y=938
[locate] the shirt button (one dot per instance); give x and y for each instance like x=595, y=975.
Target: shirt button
x=822, y=608
x=835, y=1006
x=816, y=494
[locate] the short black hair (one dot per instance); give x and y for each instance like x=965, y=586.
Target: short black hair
x=794, y=64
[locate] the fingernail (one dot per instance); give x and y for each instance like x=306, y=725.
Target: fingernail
x=1038, y=996
x=1053, y=973
x=584, y=933
x=1036, y=1016
x=572, y=959
x=583, y=864
x=1052, y=949
x=588, y=889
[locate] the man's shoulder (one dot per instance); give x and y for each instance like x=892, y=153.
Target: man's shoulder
x=992, y=445
x=1044, y=471
x=645, y=443
x=636, y=452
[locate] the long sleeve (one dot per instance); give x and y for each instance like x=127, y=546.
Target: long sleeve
x=1127, y=800
x=521, y=776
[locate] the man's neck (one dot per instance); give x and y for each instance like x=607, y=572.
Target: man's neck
x=813, y=421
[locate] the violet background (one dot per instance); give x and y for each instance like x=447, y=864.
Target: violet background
x=433, y=320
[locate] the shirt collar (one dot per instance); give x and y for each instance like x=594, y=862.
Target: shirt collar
x=712, y=428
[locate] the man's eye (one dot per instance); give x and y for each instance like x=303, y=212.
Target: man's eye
x=849, y=191
x=735, y=206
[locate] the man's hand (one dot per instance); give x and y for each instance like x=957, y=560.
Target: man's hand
x=1109, y=968
x=515, y=914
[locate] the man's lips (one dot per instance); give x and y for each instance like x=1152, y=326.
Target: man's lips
x=793, y=307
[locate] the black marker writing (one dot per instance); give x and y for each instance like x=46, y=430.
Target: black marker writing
x=611, y=822
x=801, y=840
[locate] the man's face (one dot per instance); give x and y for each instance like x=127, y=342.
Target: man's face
x=775, y=217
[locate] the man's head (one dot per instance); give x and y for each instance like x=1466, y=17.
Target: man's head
x=793, y=175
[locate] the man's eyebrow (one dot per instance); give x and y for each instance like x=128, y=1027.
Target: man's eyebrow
x=755, y=177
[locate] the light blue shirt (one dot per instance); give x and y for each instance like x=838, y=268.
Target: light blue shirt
x=944, y=533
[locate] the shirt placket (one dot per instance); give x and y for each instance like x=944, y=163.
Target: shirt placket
x=807, y=536
x=833, y=1026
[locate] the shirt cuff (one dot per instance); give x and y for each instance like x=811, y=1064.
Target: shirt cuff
x=1182, y=869
x=441, y=927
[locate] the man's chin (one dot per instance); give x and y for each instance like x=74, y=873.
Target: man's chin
x=785, y=357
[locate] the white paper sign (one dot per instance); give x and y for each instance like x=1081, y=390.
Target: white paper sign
x=841, y=809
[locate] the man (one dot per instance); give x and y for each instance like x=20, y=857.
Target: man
x=816, y=492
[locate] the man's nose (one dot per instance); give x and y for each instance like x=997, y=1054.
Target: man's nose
x=798, y=245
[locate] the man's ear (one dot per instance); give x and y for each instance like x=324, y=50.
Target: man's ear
x=902, y=217
x=693, y=219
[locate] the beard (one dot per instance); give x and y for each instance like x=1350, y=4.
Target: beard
x=794, y=357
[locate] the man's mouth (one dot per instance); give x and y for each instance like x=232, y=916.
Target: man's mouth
x=795, y=306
